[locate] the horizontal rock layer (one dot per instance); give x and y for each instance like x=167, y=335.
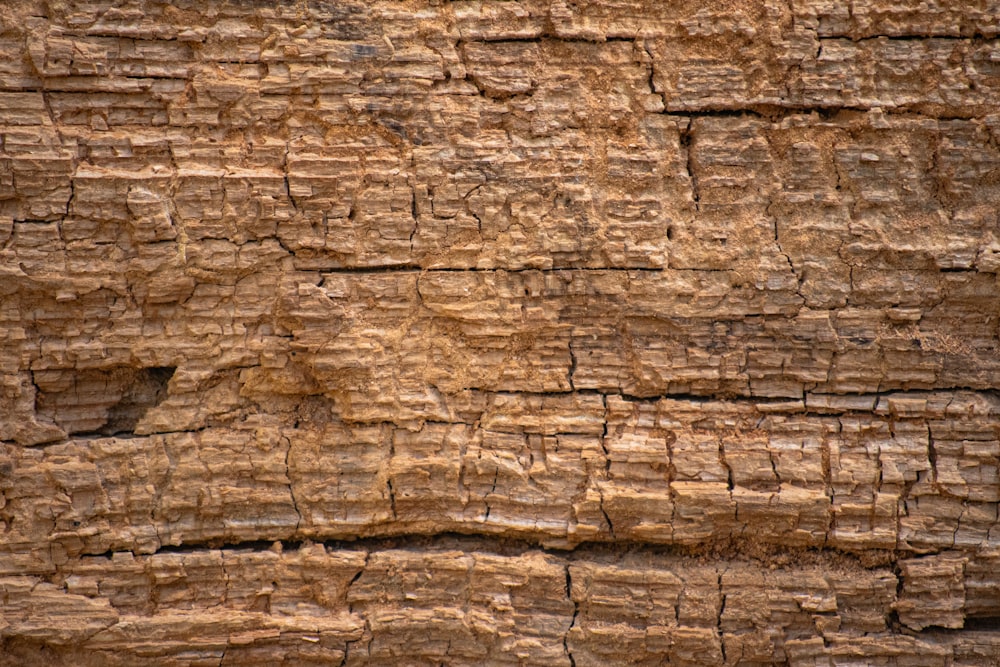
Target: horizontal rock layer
x=453, y=602
x=614, y=331
x=911, y=472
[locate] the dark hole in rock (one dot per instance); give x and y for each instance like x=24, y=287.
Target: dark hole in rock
x=99, y=402
x=148, y=388
x=985, y=623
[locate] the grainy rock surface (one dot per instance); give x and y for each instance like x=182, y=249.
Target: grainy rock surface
x=500, y=332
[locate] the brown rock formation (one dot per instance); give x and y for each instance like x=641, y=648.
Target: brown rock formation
x=500, y=332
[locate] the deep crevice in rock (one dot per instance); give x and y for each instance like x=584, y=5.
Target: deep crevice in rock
x=100, y=402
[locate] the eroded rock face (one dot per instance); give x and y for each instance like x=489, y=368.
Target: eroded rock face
x=500, y=333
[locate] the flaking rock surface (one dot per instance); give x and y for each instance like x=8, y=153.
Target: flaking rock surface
x=500, y=332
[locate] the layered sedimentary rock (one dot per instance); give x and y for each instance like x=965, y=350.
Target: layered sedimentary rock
x=500, y=333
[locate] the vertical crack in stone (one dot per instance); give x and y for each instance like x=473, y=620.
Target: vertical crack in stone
x=576, y=612
x=718, y=621
x=291, y=484
x=687, y=152
x=572, y=367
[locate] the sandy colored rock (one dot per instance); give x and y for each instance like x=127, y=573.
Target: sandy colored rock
x=521, y=332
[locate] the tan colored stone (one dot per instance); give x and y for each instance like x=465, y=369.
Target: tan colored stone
x=492, y=332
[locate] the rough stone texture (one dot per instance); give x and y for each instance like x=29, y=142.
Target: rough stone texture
x=500, y=332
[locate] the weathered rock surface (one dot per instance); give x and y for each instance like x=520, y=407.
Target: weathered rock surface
x=485, y=332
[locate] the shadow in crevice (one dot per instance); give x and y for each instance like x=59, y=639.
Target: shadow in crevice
x=99, y=402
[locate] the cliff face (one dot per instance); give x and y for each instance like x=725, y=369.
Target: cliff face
x=572, y=333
